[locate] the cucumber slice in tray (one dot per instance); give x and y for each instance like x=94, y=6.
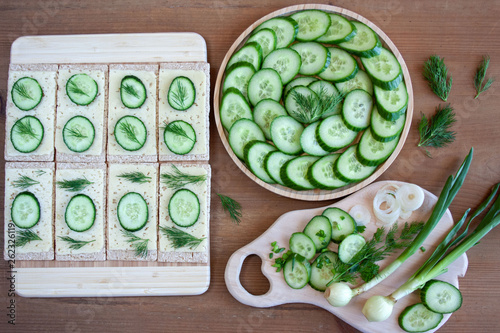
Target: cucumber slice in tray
x=314, y=54
x=26, y=93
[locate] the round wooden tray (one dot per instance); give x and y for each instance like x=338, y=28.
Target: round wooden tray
x=314, y=195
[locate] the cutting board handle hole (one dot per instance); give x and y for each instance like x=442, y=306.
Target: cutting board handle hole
x=251, y=276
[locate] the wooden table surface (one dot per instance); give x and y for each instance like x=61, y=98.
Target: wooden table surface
x=460, y=31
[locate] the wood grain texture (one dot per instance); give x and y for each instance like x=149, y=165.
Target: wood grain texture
x=317, y=194
x=461, y=31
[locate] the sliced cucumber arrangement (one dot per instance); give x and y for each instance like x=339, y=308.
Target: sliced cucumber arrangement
x=132, y=92
x=180, y=137
x=25, y=211
x=80, y=213
x=81, y=89
x=132, y=211
x=26, y=93
x=296, y=273
x=314, y=83
x=441, y=297
x=322, y=270
x=302, y=244
x=78, y=134
x=181, y=93
x=350, y=246
x=343, y=224
x=255, y=153
x=418, y=318
x=130, y=133
x=27, y=134
x=184, y=208
x=319, y=230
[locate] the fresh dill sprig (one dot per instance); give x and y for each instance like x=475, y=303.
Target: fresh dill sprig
x=130, y=90
x=40, y=172
x=177, y=130
x=181, y=238
x=24, y=182
x=180, y=94
x=23, y=127
x=136, y=177
x=75, y=244
x=435, y=131
x=178, y=179
x=232, y=207
x=481, y=75
x=74, y=185
x=436, y=73
x=22, y=90
x=129, y=131
x=311, y=107
x=140, y=245
x=75, y=132
x=23, y=237
x=75, y=89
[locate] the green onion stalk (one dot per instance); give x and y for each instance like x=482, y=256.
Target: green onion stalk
x=379, y=308
x=340, y=293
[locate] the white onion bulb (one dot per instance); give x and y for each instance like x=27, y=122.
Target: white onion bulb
x=360, y=214
x=338, y=294
x=378, y=308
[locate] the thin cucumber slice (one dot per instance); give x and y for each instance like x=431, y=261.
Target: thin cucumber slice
x=350, y=246
x=312, y=24
x=265, y=112
x=285, y=133
x=322, y=270
x=343, y=224
x=384, y=69
x=299, y=81
x=360, y=81
x=365, y=43
x=417, y=318
x=132, y=92
x=285, y=61
x=255, y=153
x=342, y=67
x=321, y=174
x=273, y=163
x=238, y=76
x=441, y=297
x=372, y=152
x=319, y=230
x=327, y=93
x=27, y=134
x=314, y=56
x=26, y=93
x=385, y=130
x=294, y=172
x=357, y=109
x=132, y=211
x=234, y=106
x=242, y=132
x=130, y=133
x=180, y=137
x=309, y=143
x=392, y=103
x=25, y=210
x=267, y=40
x=285, y=29
x=81, y=89
x=184, y=208
x=80, y=213
x=181, y=93
x=341, y=30
x=78, y=134
x=264, y=84
x=299, y=102
x=333, y=134
x=302, y=244
x=296, y=273
x=250, y=53
x=348, y=167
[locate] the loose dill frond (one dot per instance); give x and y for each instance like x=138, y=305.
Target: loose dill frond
x=75, y=89
x=180, y=94
x=181, y=238
x=75, y=244
x=40, y=172
x=129, y=131
x=177, y=130
x=136, y=177
x=75, y=132
x=435, y=131
x=23, y=127
x=436, y=73
x=23, y=237
x=311, y=107
x=22, y=90
x=74, y=185
x=479, y=83
x=24, y=182
x=130, y=90
x=140, y=245
x=178, y=179
x=232, y=207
